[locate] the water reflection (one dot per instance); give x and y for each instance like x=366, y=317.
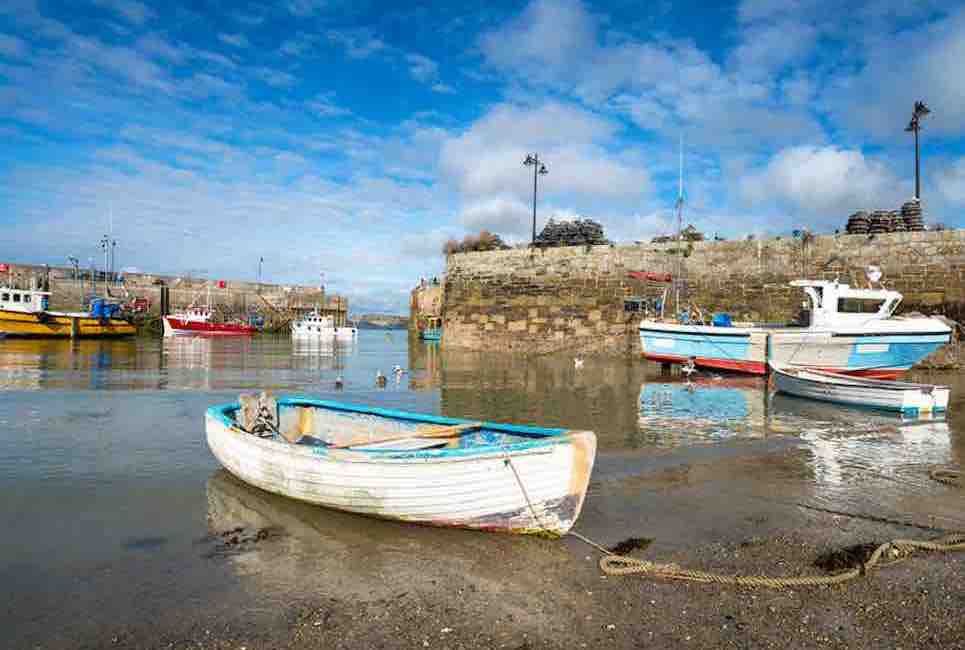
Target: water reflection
x=706, y=410
x=352, y=555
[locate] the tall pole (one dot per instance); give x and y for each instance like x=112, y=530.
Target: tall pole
x=917, y=165
x=914, y=125
x=538, y=168
x=535, y=176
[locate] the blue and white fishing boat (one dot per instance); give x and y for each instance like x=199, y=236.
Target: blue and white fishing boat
x=842, y=329
x=419, y=468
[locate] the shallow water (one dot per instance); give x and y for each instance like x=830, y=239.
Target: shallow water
x=113, y=509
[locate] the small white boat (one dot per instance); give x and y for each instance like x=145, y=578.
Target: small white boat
x=314, y=326
x=911, y=400
x=418, y=468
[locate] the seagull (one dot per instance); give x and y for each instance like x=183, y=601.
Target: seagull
x=339, y=384
x=578, y=362
x=689, y=369
x=380, y=379
x=397, y=369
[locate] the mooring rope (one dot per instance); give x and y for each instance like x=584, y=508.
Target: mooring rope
x=621, y=565
x=948, y=476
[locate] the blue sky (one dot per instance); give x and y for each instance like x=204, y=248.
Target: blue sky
x=353, y=138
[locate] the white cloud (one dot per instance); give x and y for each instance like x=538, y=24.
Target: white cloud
x=824, y=183
x=303, y=8
x=443, y=89
x=506, y=217
x=133, y=11
x=273, y=77
x=235, y=40
x=422, y=68
x=546, y=39
x=324, y=106
x=358, y=44
x=486, y=158
x=950, y=181
x=925, y=62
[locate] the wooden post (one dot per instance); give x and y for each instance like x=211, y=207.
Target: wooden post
x=74, y=327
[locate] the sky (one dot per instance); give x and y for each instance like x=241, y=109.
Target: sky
x=344, y=141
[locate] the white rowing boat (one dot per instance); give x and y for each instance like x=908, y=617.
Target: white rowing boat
x=912, y=400
x=406, y=466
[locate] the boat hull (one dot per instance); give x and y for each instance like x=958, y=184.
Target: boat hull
x=434, y=334
x=467, y=488
x=882, y=355
x=61, y=325
x=178, y=327
x=911, y=400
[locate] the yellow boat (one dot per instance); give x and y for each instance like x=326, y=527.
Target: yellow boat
x=23, y=312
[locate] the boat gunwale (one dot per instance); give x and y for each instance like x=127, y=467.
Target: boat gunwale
x=543, y=438
x=842, y=379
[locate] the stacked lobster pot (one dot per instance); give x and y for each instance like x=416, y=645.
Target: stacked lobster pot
x=880, y=222
x=858, y=223
x=911, y=215
x=897, y=222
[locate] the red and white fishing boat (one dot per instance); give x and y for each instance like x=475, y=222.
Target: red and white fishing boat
x=198, y=321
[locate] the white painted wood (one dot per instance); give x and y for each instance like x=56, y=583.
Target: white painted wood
x=906, y=397
x=474, y=491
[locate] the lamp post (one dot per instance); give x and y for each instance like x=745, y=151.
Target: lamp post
x=539, y=169
x=914, y=126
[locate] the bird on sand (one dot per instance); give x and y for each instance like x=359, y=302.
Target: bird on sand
x=578, y=362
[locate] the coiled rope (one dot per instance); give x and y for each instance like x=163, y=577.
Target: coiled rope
x=620, y=565
x=948, y=476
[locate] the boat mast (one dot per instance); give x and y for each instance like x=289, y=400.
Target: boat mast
x=680, y=209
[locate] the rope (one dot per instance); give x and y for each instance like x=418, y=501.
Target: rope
x=948, y=476
x=621, y=565
x=509, y=463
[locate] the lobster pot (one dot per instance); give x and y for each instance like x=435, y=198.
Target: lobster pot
x=858, y=223
x=911, y=215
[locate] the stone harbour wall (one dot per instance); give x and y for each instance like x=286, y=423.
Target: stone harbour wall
x=545, y=300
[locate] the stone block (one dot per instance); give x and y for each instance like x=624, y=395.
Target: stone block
x=517, y=325
x=594, y=315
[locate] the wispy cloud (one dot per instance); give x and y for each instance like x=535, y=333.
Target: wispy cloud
x=357, y=43
x=131, y=10
x=236, y=40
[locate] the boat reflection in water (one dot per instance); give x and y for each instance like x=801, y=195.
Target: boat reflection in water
x=319, y=551
x=678, y=413
x=31, y=364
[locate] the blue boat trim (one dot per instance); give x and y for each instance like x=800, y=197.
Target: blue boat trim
x=543, y=436
x=678, y=334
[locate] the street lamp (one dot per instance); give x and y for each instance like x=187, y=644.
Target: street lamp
x=919, y=112
x=539, y=169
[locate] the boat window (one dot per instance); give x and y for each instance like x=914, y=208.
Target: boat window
x=859, y=305
x=6, y=296
x=16, y=297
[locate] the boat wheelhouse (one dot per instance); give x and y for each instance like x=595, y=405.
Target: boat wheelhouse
x=314, y=326
x=840, y=329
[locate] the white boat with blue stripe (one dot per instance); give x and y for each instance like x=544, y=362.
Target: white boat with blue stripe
x=840, y=329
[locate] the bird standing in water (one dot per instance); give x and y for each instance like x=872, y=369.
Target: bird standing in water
x=339, y=384
x=380, y=379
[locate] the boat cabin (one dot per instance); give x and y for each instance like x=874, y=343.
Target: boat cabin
x=194, y=315
x=833, y=305
x=24, y=300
